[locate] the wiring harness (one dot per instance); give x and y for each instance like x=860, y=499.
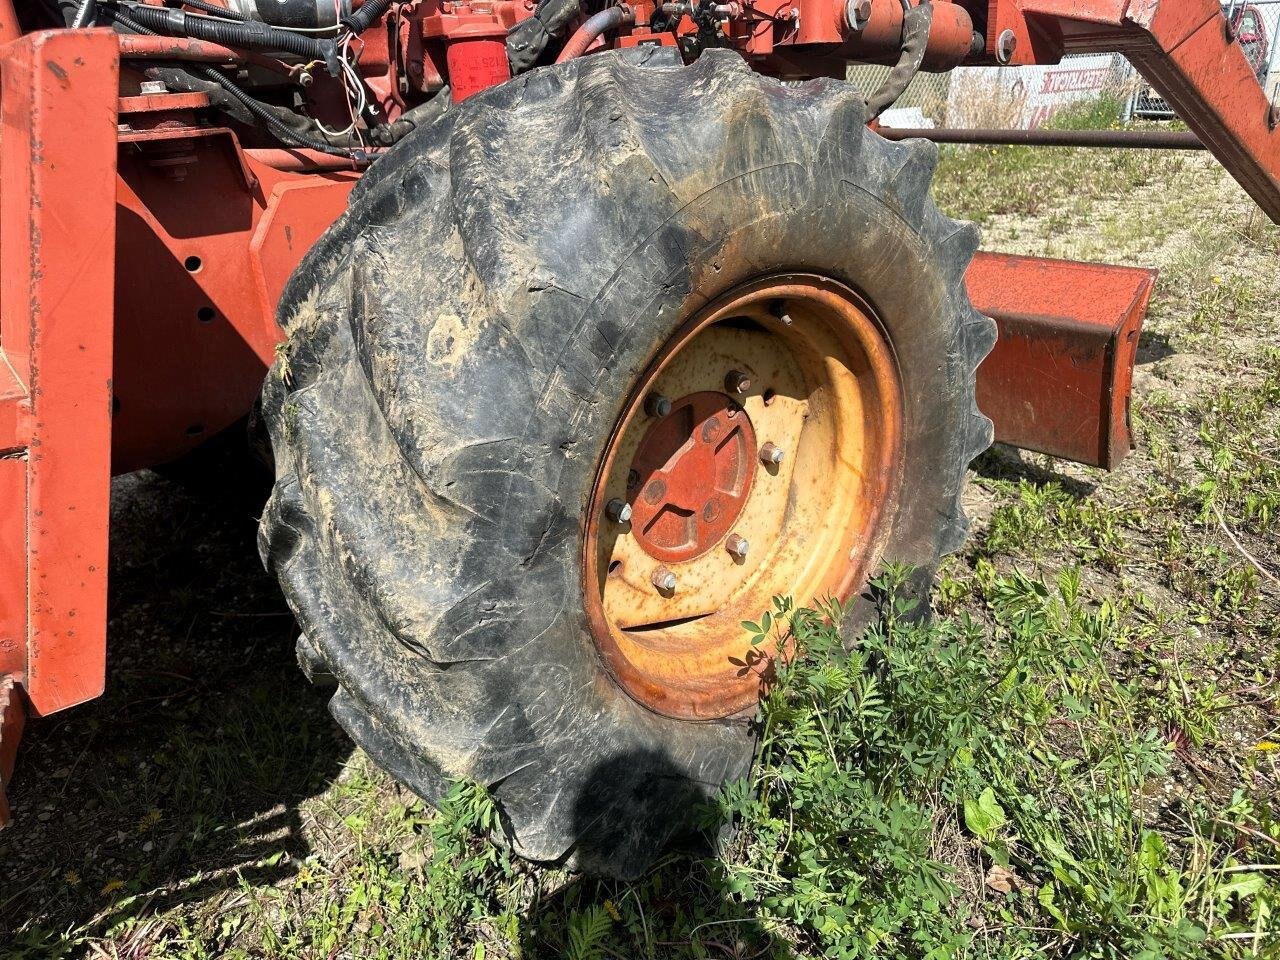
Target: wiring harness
x=231, y=29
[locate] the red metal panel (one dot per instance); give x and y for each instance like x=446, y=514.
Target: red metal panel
x=297, y=213
x=207, y=236
x=57, y=230
x=1058, y=380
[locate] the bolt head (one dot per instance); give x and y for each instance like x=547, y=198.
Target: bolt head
x=735, y=381
x=1006, y=45
x=656, y=405
x=664, y=580
x=737, y=546
x=152, y=86
x=771, y=454
x=858, y=13
x=619, y=511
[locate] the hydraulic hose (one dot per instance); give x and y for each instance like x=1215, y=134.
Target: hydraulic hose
x=593, y=28
x=916, y=24
x=251, y=34
x=84, y=14
x=272, y=122
x=362, y=19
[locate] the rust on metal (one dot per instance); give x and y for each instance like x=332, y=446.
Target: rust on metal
x=1040, y=137
x=1059, y=378
x=717, y=530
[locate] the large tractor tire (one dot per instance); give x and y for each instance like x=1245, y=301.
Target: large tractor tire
x=589, y=371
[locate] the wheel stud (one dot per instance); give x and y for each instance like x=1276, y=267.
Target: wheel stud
x=771, y=454
x=656, y=405
x=736, y=381
x=664, y=580
x=737, y=546
x=619, y=511
x=779, y=309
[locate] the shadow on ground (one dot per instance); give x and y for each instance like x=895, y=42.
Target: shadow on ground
x=191, y=768
x=1003, y=462
x=678, y=906
x=188, y=779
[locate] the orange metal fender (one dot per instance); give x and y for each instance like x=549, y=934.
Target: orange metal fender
x=1059, y=378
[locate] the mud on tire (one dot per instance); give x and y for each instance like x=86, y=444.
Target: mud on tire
x=460, y=345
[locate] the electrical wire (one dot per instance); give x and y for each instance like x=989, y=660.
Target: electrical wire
x=350, y=77
x=343, y=35
x=248, y=34
x=260, y=110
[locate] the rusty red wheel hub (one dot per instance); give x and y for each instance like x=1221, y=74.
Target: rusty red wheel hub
x=691, y=476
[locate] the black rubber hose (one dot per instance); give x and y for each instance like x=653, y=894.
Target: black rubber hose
x=360, y=21
x=424, y=114
x=249, y=35
x=916, y=24
x=283, y=132
x=210, y=8
x=594, y=27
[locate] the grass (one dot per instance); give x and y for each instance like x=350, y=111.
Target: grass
x=1078, y=756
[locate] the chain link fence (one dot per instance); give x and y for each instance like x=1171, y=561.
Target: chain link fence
x=1001, y=97
x=1256, y=26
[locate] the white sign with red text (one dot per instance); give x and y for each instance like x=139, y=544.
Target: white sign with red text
x=1025, y=97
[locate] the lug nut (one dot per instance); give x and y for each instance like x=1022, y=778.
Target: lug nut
x=735, y=381
x=656, y=405
x=664, y=580
x=771, y=454
x=737, y=546
x=619, y=511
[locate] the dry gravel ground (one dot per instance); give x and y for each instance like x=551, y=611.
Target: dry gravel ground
x=208, y=803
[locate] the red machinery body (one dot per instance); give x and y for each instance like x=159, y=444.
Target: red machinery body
x=144, y=249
